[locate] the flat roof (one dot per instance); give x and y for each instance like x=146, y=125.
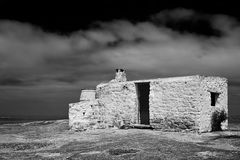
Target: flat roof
x=166, y=79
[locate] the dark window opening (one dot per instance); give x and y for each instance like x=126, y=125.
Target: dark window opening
x=214, y=97
x=84, y=113
x=143, y=90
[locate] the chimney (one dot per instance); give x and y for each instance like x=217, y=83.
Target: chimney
x=120, y=75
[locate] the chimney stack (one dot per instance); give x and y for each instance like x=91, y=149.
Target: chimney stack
x=120, y=75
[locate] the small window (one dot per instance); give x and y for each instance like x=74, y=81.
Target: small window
x=214, y=97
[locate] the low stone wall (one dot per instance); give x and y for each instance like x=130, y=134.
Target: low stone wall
x=86, y=115
x=87, y=95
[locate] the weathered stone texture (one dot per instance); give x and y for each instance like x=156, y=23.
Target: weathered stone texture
x=180, y=103
x=86, y=114
x=119, y=100
x=87, y=95
x=173, y=103
x=216, y=85
x=120, y=76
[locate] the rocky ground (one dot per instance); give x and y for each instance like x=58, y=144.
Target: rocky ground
x=54, y=140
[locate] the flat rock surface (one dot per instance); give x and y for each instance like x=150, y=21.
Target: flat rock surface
x=54, y=140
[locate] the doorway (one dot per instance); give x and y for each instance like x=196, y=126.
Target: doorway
x=143, y=90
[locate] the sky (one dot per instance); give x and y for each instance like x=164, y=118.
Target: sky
x=48, y=55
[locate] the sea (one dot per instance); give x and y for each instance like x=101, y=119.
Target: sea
x=10, y=120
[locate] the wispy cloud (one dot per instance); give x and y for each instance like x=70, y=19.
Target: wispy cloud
x=171, y=43
x=30, y=55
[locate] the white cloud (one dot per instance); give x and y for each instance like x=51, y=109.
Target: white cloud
x=42, y=72
x=29, y=54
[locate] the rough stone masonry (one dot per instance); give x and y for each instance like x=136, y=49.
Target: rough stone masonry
x=191, y=103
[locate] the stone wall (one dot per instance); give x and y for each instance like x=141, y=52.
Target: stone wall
x=120, y=101
x=181, y=103
x=216, y=85
x=86, y=115
x=87, y=94
x=174, y=103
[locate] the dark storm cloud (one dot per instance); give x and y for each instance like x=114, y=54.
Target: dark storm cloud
x=185, y=20
x=151, y=48
x=40, y=72
x=11, y=81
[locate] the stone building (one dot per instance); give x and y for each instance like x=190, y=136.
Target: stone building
x=192, y=103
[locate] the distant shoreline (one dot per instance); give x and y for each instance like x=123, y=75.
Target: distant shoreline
x=12, y=120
